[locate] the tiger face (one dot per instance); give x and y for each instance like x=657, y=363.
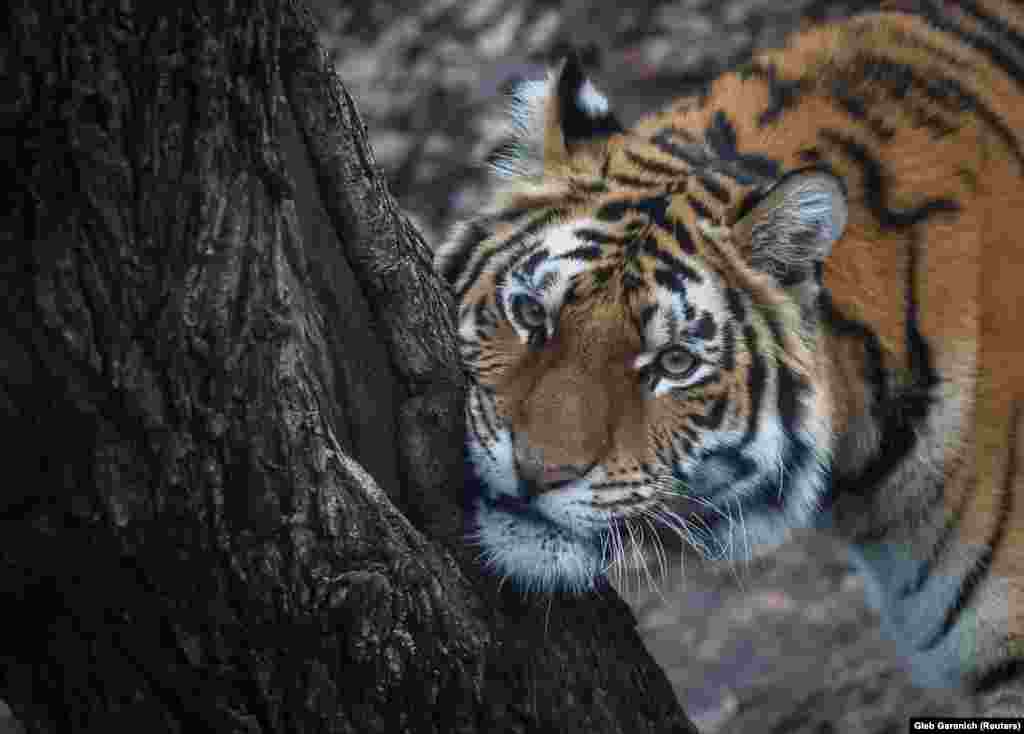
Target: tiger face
x=640, y=340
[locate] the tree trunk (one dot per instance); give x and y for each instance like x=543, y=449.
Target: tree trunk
x=232, y=398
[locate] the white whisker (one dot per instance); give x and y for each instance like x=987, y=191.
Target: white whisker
x=632, y=540
x=659, y=552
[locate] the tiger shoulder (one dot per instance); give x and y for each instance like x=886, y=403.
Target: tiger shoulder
x=793, y=300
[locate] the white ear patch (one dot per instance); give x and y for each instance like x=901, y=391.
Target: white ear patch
x=591, y=101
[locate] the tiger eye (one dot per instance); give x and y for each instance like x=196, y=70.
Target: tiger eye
x=676, y=362
x=529, y=311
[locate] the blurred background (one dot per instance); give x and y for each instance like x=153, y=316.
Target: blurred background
x=783, y=644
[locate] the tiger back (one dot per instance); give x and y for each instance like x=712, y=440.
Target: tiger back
x=792, y=300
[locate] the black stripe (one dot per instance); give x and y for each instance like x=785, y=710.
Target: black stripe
x=857, y=109
x=676, y=451
x=876, y=186
x=471, y=426
x=468, y=350
x=602, y=275
x=789, y=387
x=745, y=169
x=532, y=227
x=638, y=183
x=485, y=418
x=672, y=324
x=919, y=354
x=899, y=416
x=534, y=261
x=657, y=167
x=692, y=153
x=997, y=55
x=597, y=235
x=810, y=155
x=617, y=484
x=947, y=55
x=482, y=314
x=475, y=419
x=698, y=207
x=999, y=25
x=713, y=418
x=720, y=136
x=683, y=239
x=948, y=92
x=631, y=282
x=728, y=359
x=587, y=253
x=713, y=187
x=670, y=280
x=646, y=314
x=734, y=300
x=980, y=570
x=751, y=199
x=654, y=207
x=649, y=246
x=706, y=328
x=468, y=239
x=783, y=94
x=516, y=260
x=874, y=372
x=756, y=380
x=571, y=294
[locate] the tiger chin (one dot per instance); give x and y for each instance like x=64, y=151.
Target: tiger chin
x=792, y=300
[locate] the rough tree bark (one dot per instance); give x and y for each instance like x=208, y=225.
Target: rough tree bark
x=231, y=402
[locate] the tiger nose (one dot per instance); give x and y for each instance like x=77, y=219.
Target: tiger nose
x=538, y=477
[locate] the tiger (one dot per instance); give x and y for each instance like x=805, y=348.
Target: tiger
x=789, y=300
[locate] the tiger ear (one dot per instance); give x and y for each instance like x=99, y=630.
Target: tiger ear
x=550, y=119
x=793, y=227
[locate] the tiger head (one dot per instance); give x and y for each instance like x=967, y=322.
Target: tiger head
x=639, y=329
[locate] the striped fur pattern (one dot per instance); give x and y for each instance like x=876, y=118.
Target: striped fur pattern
x=792, y=300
